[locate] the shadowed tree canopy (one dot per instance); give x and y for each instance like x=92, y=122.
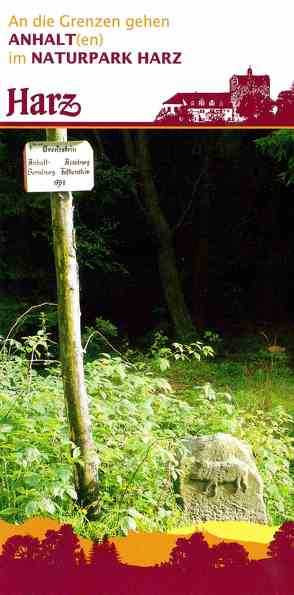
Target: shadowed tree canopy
x=182, y=228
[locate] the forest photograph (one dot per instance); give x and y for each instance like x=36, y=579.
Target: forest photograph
x=185, y=284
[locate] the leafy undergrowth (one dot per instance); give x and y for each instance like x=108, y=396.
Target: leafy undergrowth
x=136, y=422
x=140, y=414
x=249, y=394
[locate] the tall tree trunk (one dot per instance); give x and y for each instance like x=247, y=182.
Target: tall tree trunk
x=71, y=353
x=200, y=269
x=100, y=149
x=168, y=270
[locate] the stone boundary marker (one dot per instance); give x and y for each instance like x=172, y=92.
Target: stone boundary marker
x=220, y=480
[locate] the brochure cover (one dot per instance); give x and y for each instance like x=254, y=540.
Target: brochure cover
x=146, y=317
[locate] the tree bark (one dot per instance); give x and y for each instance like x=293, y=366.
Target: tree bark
x=200, y=269
x=71, y=353
x=101, y=153
x=168, y=270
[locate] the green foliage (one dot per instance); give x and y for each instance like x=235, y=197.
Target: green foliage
x=106, y=327
x=135, y=442
x=35, y=460
x=98, y=337
x=27, y=321
x=161, y=351
x=133, y=433
x=212, y=337
x=96, y=249
x=9, y=309
x=37, y=345
x=268, y=433
x=250, y=397
x=280, y=146
x=139, y=422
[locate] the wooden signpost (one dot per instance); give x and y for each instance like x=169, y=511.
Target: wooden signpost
x=71, y=352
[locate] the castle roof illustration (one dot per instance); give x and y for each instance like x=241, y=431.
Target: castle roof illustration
x=202, y=99
x=244, y=79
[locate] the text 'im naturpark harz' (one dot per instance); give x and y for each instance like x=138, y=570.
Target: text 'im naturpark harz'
x=74, y=39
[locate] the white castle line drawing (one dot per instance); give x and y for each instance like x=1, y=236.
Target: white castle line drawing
x=248, y=96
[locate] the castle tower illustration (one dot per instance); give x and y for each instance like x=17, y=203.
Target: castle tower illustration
x=244, y=87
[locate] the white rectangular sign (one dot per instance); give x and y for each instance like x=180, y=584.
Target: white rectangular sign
x=56, y=167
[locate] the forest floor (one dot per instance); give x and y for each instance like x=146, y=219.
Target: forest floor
x=256, y=373
x=252, y=385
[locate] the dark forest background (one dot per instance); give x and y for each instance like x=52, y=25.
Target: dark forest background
x=229, y=213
